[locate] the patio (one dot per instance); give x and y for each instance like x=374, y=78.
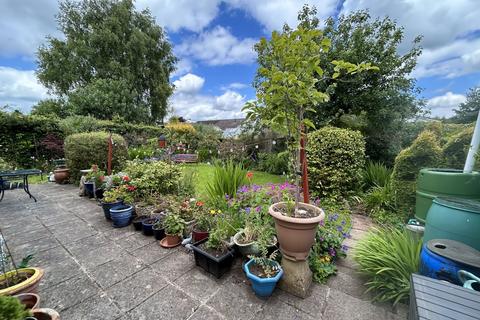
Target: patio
x=93, y=271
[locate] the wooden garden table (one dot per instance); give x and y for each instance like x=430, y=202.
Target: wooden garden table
x=23, y=174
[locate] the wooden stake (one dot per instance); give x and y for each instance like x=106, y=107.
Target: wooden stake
x=110, y=154
x=303, y=161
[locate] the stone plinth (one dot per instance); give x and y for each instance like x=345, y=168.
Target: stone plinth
x=297, y=277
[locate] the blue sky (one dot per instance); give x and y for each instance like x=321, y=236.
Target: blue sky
x=214, y=40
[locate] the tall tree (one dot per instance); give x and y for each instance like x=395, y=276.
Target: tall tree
x=113, y=61
x=378, y=103
x=467, y=112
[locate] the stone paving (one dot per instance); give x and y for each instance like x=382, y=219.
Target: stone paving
x=93, y=271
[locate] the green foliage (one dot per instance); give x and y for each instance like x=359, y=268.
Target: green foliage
x=388, y=257
x=227, y=178
x=336, y=158
x=423, y=153
x=375, y=174
x=467, y=111
x=141, y=152
x=110, y=56
x=456, y=149
x=51, y=107
x=21, y=138
x=5, y=166
x=275, y=163
x=156, y=177
x=381, y=101
x=84, y=149
x=12, y=309
x=328, y=241
x=174, y=225
x=134, y=134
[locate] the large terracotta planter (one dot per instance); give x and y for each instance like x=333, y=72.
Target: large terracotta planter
x=29, y=300
x=29, y=285
x=45, y=314
x=296, y=235
x=61, y=175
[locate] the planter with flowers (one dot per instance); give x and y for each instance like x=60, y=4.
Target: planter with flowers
x=94, y=181
x=203, y=222
x=121, y=214
x=287, y=88
x=174, y=226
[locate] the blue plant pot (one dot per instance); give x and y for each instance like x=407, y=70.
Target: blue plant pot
x=263, y=287
x=106, y=206
x=121, y=215
x=147, y=225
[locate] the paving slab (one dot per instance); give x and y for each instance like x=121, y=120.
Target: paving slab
x=116, y=270
x=98, y=307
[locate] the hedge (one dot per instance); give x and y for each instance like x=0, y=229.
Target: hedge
x=84, y=149
x=424, y=152
x=456, y=149
x=336, y=158
x=29, y=141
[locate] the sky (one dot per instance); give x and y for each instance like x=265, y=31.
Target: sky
x=214, y=40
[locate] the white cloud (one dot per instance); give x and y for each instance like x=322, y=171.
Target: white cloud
x=218, y=47
x=184, y=66
x=442, y=106
x=182, y=14
x=445, y=26
x=25, y=24
x=20, y=89
x=196, y=106
x=235, y=85
x=274, y=13
x=189, y=84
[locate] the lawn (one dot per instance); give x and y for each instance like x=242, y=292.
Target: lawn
x=204, y=174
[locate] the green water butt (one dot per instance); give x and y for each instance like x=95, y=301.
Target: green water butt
x=432, y=183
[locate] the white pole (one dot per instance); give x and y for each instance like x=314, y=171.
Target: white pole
x=472, y=151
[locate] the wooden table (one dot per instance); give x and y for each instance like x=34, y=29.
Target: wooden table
x=432, y=299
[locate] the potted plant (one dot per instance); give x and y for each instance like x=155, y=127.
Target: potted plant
x=158, y=230
x=203, y=222
x=186, y=212
x=44, y=314
x=138, y=222
x=213, y=254
x=287, y=88
x=16, y=279
x=248, y=238
x=121, y=214
x=12, y=309
x=147, y=225
x=110, y=199
x=29, y=300
x=264, y=273
x=174, y=226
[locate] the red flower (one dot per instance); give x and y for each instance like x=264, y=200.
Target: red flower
x=199, y=203
x=126, y=178
x=249, y=175
x=131, y=188
x=102, y=178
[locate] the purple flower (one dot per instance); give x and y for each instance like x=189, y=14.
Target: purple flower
x=345, y=248
x=333, y=217
x=243, y=189
x=332, y=252
x=317, y=202
x=248, y=209
x=339, y=228
x=322, y=239
x=322, y=223
x=256, y=188
x=344, y=222
x=227, y=197
x=345, y=235
x=258, y=208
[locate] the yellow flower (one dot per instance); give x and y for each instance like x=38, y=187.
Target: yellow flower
x=212, y=211
x=219, y=211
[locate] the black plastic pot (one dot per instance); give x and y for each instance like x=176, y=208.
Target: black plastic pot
x=89, y=189
x=99, y=193
x=137, y=222
x=147, y=225
x=216, y=266
x=159, y=234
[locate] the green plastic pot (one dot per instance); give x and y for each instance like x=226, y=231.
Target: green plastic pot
x=454, y=219
x=432, y=183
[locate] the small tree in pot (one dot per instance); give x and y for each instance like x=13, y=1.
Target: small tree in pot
x=286, y=90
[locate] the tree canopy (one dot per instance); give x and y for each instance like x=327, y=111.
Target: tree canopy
x=113, y=61
x=377, y=103
x=467, y=112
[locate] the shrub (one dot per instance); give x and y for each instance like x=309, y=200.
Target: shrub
x=456, y=149
x=388, y=257
x=275, y=163
x=375, y=174
x=84, y=149
x=12, y=309
x=335, y=160
x=227, y=179
x=423, y=153
x=154, y=177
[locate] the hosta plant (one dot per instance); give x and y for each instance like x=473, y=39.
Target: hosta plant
x=388, y=257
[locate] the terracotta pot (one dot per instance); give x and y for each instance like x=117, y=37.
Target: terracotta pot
x=170, y=241
x=45, y=314
x=199, y=235
x=296, y=235
x=29, y=285
x=30, y=300
x=61, y=175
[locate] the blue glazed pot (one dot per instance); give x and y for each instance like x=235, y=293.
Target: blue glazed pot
x=89, y=189
x=121, y=215
x=106, y=206
x=147, y=225
x=263, y=287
